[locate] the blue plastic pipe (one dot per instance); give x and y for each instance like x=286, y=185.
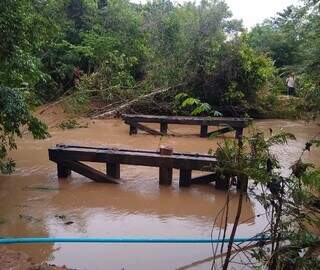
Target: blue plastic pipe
x=33, y=240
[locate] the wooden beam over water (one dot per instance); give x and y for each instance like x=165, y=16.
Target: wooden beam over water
x=230, y=123
x=70, y=157
x=89, y=172
x=205, y=179
x=187, y=120
x=220, y=131
x=150, y=159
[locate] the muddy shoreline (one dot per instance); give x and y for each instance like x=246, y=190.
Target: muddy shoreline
x=17, y=260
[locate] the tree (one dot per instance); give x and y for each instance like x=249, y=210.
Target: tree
x=239, y=75
x=291, y=203
x=14, y=114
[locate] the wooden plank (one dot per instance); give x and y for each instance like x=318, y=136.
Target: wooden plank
x=187, y=120
x=81, y=155
x=185, y=178
x=205, y=179
x=90, y=148
x=89, y=172
x=148, y=129
x=220, y=131
x=134, y=158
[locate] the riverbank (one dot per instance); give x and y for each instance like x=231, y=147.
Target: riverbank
x=17, y=260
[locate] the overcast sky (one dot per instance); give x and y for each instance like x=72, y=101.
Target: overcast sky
x=252, y=11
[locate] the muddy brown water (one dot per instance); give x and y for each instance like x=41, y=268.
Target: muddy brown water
x=34, y=203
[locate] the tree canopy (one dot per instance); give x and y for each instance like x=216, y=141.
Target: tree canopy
x=115, y=50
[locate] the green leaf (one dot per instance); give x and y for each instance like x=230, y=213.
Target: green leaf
x=190, y=101
x=181, y=96
x=312, y=179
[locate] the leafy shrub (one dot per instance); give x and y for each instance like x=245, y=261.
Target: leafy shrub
x=194, y=106
x=13, y=115
x=239, y=75
x=71, y=124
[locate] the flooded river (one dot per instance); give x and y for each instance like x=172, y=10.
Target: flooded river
x=34, y=203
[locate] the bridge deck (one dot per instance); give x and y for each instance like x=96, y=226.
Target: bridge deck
x=70, y=157
x=188, y=120
x=135, y=120
x=132, y=157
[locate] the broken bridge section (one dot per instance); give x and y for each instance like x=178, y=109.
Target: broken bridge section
x=71, y=157
x=228, y=124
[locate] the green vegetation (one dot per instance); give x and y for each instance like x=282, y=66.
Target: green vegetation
x=193, y=106
x=291, y=203
x=115, y=50
x=14, y=114
x=292, y=40
x=71, y=124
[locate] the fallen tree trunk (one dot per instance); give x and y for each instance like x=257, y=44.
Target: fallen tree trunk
x=120, y=109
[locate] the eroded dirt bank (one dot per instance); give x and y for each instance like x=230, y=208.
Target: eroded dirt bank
x=17, y=260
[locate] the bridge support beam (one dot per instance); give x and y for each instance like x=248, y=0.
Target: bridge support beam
x=164, y=128
x=165, y=176
x=204, y=131
x=239, y=133
x=185, y=178
x=63, y=171
x=242, y=183
x=133, y=129
x=223, y=182
x=113, y=170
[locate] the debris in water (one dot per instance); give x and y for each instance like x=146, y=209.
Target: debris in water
x=68, y=223
x=60, y=216
x=2, y=220
x=29, y=218
x=42, y=188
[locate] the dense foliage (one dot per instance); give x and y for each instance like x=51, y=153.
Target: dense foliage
x=115, y=50
x=292, y=40
x=112, y=51
x=289, y=196
x=15, y=113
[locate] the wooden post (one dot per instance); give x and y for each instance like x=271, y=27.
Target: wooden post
x=204, y=131
x=242, y=181
x=113, y=169
x=185, y=178
x=223, y=183
x=205, y=179
x=165, y=176
x=133, y=129
x=165, y=173
x=63, y=171
x=164, y=128
x=239, y=133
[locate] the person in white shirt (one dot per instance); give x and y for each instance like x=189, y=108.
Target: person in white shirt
x=291, y=81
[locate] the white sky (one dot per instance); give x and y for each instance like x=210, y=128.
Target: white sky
x=251, y=11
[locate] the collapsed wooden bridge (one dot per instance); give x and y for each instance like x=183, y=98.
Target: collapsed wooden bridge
x=71, y=157
x=229, y=124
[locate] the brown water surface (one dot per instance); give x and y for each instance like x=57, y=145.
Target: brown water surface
x=34, y=203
